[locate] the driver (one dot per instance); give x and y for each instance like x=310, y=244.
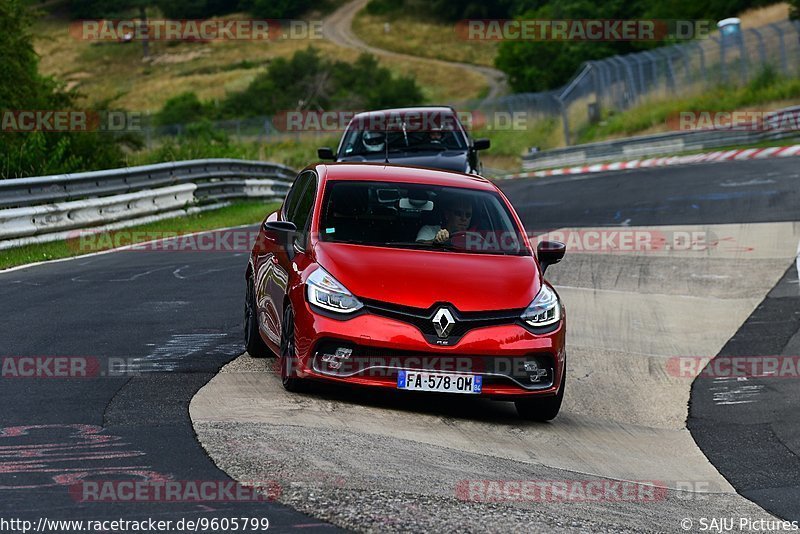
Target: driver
x=373, y=141
x=457, y=215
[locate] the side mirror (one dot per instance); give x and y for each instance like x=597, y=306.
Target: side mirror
x=481, y=144
x=550, y=253
x=325, y=153
x=284, y=231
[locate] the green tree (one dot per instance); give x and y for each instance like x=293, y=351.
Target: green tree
x=182, y=109
x=23, y=88
x=307, y=81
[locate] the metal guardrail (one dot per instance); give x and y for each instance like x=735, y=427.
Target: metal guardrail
x=40, y=209
x=216, y=179
x=661, y=144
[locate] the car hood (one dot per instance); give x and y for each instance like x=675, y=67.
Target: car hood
x=450, y=160
x=420, y=278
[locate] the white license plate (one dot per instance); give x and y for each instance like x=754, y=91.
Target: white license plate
x=442, y=382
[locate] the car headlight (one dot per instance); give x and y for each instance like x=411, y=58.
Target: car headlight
x=327, y=293
x=544, y=310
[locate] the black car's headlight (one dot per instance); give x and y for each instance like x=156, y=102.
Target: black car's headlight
x=329, y=294
x=544, y=310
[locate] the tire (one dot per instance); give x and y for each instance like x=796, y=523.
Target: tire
x=544, y=409
x=253, y=343
x=288, y=360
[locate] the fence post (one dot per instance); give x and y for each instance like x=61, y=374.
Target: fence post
x=702, y=63
x=722, y=66
x=640, y=70
x=597, y=87
x=784, y=63
x=564, y=120
x=653, y=64
x=762, y=53
x=743, y=57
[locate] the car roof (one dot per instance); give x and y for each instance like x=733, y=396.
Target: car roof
x=444, y=110
x=383, y=172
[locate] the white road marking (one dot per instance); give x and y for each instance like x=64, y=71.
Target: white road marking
x=755, y=181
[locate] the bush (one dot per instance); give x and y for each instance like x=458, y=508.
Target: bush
x=202, y=140
x=181, y=109
x=309, y=81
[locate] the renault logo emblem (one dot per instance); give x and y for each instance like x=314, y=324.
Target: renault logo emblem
x=443, y=322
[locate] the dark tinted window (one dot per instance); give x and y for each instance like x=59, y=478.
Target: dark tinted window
x=402, y=215
x=293, y=197
x=301, y=212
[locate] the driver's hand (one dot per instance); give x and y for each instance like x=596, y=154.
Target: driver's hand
x=441, y=236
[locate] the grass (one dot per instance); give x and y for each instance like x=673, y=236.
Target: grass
x=422, y=38
x=508, y=145
x=760, y=16
x=238, y=213
x=764, y=93
x=115, y=75
x=295, y=152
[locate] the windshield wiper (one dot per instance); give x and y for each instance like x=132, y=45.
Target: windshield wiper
x=421, y=148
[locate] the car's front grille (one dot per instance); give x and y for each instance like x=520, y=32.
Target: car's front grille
x=377, y=362
x=423, y=318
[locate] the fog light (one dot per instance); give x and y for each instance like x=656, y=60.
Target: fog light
x=535, y=373
x=334, y=360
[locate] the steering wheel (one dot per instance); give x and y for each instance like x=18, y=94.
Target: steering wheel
x=467, y=240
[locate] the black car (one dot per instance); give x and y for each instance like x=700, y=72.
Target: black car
x=430, y=137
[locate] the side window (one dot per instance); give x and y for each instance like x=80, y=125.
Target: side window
x=301, y=215
x=294, y=195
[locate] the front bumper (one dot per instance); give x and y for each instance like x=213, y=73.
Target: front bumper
x=379, y=347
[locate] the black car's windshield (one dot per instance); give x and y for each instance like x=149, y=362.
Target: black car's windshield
x=429, y=217
x=359, y=142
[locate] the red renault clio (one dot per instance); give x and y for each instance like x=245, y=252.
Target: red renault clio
x=407, y=278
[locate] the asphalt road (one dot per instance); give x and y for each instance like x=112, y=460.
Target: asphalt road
x=728, y=192
x=175, y=318
x=748, y=428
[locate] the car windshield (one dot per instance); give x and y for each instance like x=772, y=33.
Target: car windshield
x=361, y=142
x=429, y=217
